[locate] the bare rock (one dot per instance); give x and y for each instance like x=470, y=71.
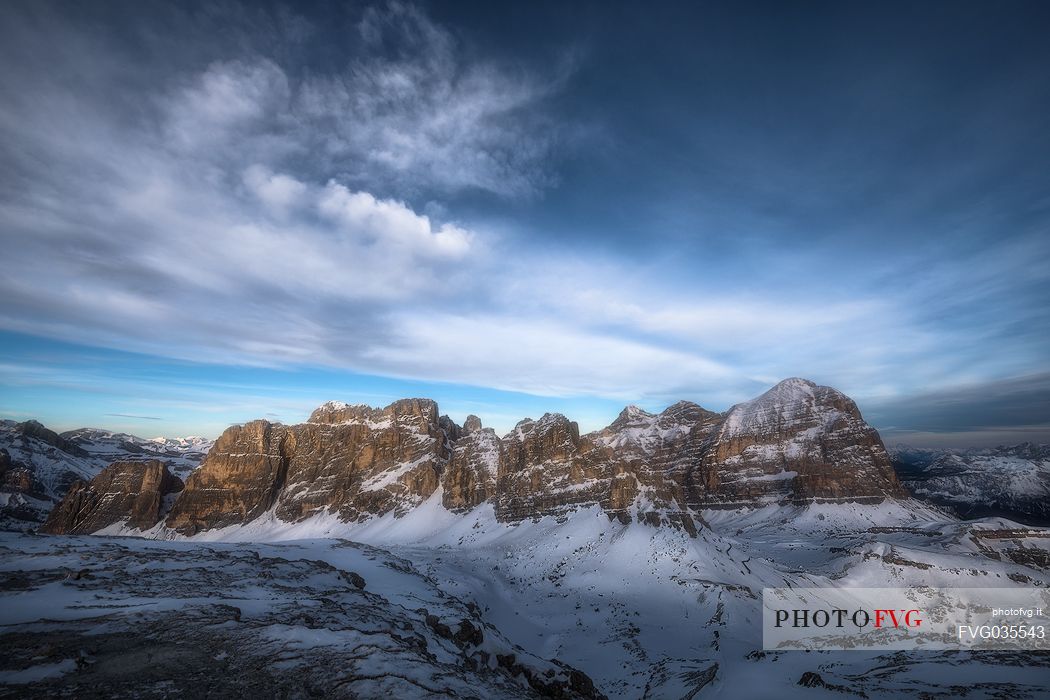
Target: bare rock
x=797, y=442
x=124, y=491
x=469, y=478
x=355, y=460
x=471, y=425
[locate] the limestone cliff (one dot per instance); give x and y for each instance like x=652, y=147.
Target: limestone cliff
x=131, y=492
x=797, y=442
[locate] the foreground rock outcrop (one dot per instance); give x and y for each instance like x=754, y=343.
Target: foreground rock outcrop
x=798, y=442
x=131, y=492
x=267, y=621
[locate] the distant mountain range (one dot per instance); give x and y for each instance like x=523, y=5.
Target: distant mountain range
x=38, y=465
x=1012, y=482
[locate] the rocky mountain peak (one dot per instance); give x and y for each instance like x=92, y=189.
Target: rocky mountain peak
x=472, y=424
x=800, y=441
x=333, y=412
x=469, y=477
x=552, y=436
x=631, y=417
x=425, y=411
x=793, y=384
x=686, y=413
x=792, y=402
x=34, y=429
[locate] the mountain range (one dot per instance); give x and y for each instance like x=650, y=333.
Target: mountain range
x=38, y=465
x=796, y=443
x=1009, y=481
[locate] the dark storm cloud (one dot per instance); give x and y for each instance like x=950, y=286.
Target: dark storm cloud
x=976, y=415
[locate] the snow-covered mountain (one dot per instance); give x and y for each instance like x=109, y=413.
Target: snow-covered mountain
x=38, y=466
x=182, y=455
x=1010, y=481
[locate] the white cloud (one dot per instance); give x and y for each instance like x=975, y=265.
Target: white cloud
x=276, y=191
x=228, y=96
x=427, y=116
x=392, y=225
x=420, y=120
x=545, y=356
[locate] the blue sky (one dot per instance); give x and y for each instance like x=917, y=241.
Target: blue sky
x=221, y=211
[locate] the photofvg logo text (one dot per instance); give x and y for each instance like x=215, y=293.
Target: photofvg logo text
x=878, y=618
x=905, y=618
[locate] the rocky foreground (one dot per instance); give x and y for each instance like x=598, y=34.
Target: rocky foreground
x=797, y=443
x=440, y=604
x=99, y=618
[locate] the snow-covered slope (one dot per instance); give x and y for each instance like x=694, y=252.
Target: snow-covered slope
x=1009, y=481
x=653, y=612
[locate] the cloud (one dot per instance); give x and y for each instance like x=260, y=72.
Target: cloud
x=218, y=220
x=964, y=439
x=409, y=113
x=412, y=108
x=130, y=415
x=976, y=414
x=262, y=205
x=275, y=191
x=229, y=96
x=540, y=356
x=391, y=225
x=1021, y=402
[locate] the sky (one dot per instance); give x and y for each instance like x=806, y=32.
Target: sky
x=212, y=212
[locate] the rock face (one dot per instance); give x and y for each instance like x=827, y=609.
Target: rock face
x=541, y=472
x=132, y=491
x=352, y=460
x=797, y=442
x=35, y=430
x=469, y=478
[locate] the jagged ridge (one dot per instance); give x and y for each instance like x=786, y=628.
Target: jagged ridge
x=797, y=442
